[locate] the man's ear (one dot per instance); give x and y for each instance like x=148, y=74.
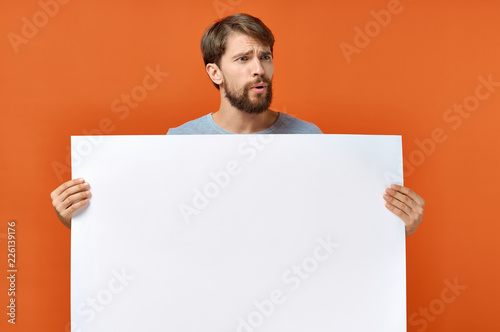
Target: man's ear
x=214, y=73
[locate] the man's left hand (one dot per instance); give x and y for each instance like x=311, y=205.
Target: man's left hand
x=407, y=205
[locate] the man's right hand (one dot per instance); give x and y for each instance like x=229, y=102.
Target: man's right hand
x=68, y=198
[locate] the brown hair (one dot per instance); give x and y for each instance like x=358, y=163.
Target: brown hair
x=213, y=42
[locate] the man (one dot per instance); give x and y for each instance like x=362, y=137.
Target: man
x=238, y=56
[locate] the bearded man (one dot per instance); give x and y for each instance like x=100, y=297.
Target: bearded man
x=238, y=55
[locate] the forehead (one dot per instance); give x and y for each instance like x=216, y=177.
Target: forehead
x=238, y=42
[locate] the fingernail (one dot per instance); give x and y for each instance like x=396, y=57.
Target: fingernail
x=81, y=180
x=386, y=196
x=394, y=186
x=389, y=191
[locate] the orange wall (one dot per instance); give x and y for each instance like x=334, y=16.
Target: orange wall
x=66, y=77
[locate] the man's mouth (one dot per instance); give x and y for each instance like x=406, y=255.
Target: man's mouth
x=259, y=88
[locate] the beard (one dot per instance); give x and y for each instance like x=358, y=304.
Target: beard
x=242, y=101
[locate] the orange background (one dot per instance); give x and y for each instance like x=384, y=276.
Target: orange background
x=63, y=80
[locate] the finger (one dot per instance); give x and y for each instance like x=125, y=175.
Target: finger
x=407, y=191
x=82, y=187
x=71, y=200
x=392, y=196
x=414, y=213
x=397, y=211
x=68, y=213
x=65, y=186
x=398, y=204
x=407, y=220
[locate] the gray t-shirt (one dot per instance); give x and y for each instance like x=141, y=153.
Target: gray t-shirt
x=286, y=124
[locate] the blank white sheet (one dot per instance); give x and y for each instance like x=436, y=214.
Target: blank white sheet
x=238, y=233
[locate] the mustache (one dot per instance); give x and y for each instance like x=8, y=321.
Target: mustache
x=261, y=80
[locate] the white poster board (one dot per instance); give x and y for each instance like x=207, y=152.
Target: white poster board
x=238, y=233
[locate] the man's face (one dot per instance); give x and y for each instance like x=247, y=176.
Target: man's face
x=247, y=70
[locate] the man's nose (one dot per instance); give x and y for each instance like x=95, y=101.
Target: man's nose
x=258, y=70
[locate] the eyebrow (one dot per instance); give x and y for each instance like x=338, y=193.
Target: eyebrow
x=239, y=55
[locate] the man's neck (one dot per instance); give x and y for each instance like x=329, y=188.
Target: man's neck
x=235, y=121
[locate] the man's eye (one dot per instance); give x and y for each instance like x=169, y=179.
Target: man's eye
x=241, y=59
x=266, y=57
